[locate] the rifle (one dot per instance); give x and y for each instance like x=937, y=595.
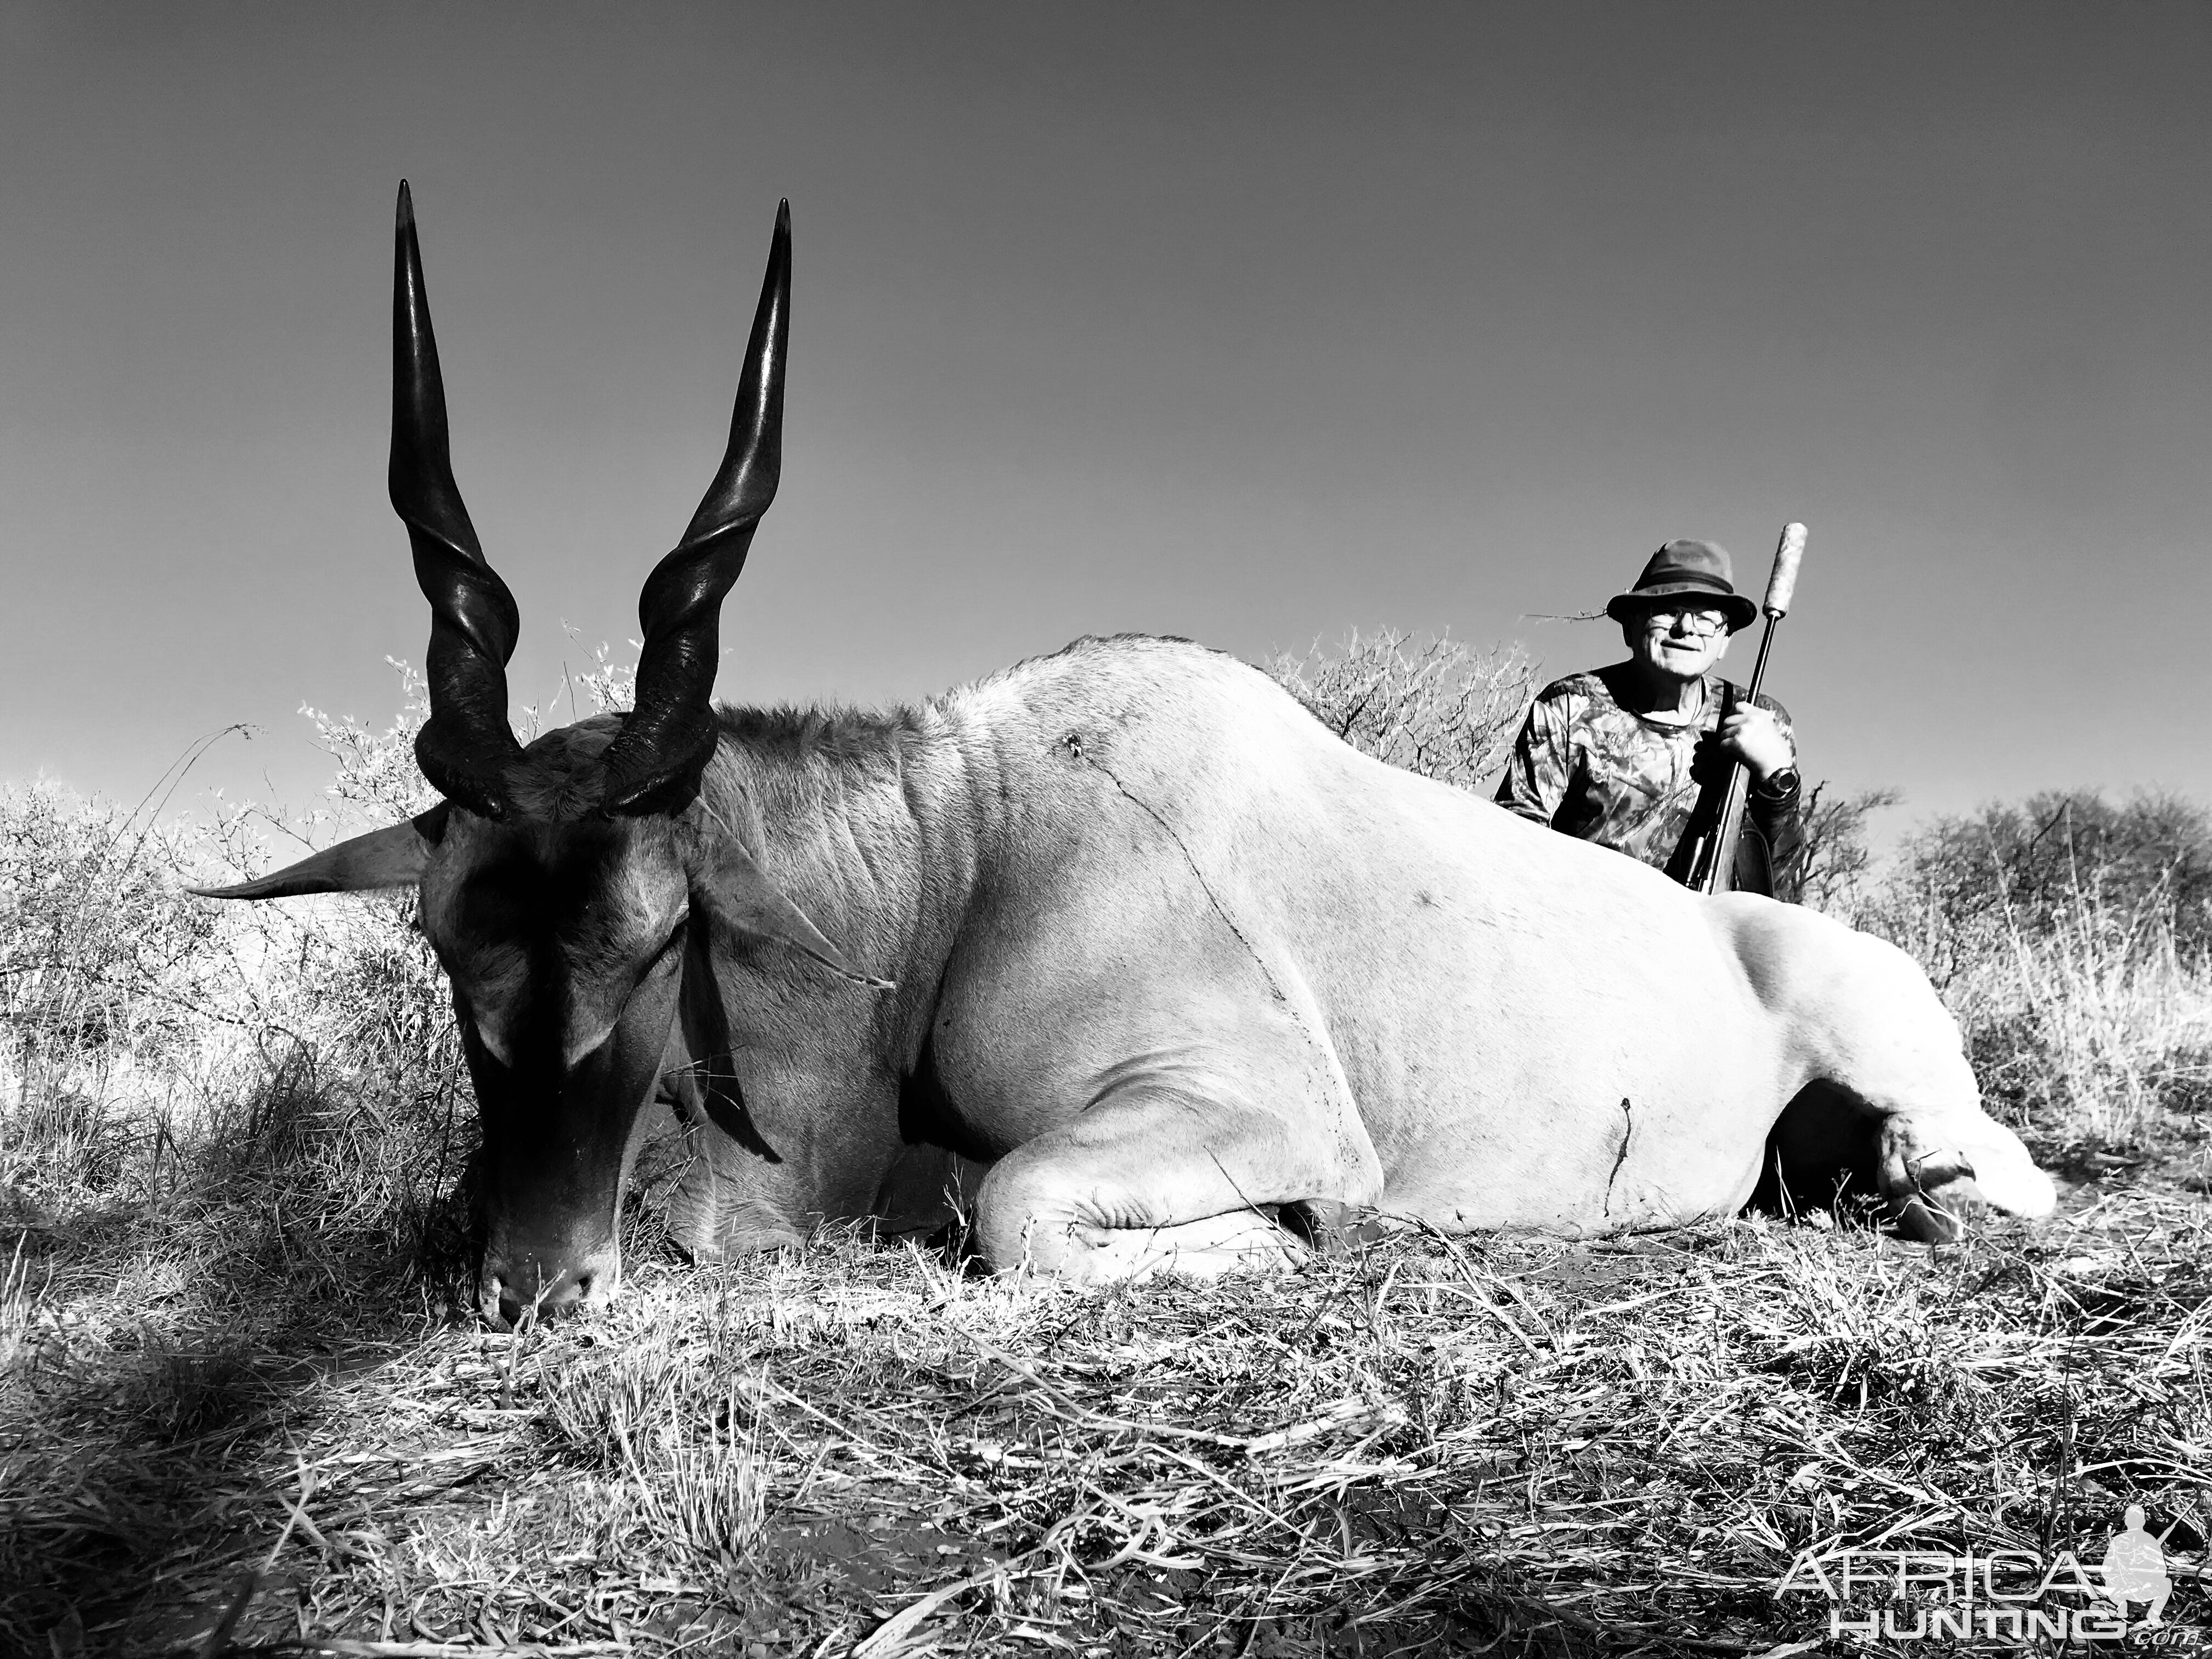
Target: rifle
x=1712, y=866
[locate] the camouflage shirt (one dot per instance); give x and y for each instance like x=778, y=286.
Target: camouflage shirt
x=1591, y=767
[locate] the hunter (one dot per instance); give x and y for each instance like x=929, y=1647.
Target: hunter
x=1636, y=757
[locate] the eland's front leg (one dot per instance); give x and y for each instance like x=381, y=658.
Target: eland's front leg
x=1153, y=1179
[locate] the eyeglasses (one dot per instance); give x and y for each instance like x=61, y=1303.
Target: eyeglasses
x=1689, y=619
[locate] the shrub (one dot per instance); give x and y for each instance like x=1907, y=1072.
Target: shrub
x=1432, y=706
x=149, y=1029
x=87, y=929
x=1837, y=861
x=2143, y=867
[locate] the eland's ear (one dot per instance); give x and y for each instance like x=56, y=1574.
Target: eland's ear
x=737, y=894
x=391, y=857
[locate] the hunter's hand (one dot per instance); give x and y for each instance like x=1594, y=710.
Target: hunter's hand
x=1752, y=736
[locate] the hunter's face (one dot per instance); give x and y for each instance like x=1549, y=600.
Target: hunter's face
x=1680, y=641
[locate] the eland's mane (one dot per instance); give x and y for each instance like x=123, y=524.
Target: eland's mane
x=820, y=734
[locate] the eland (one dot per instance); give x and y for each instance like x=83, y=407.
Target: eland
x=1121, y=937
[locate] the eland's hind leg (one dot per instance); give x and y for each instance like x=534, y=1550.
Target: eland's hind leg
x=1940, y=1169
x=1940, y=1159
x=1884, y=1075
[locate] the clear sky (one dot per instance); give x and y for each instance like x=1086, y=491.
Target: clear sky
x=1246, y=322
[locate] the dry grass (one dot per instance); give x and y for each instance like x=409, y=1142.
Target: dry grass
x=1411, y=1445
x=242, y=1409
x=2100, y=1043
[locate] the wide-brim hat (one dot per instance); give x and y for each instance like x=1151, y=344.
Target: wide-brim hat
x=1687, y=569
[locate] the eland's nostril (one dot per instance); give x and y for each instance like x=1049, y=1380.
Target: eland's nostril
x=569, y=1290
x=530, y=1285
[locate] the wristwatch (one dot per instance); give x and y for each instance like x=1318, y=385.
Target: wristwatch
x=1778, y=784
